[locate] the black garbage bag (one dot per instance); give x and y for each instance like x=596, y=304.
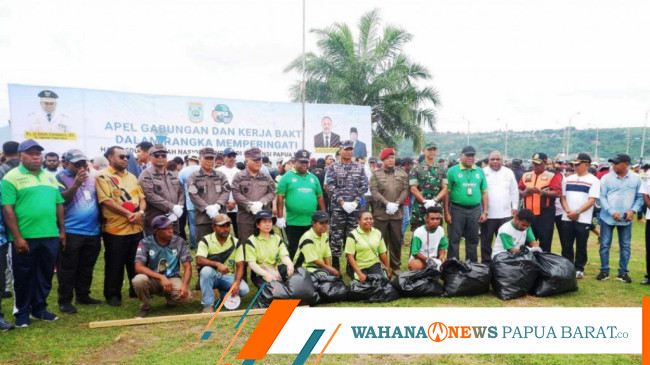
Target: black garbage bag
x=420, y=283
x=302, y=287
x=513, y=273
x=557, y=275
x=268, y=295
x=376, y=289
x=330, y=288
x=464, y=278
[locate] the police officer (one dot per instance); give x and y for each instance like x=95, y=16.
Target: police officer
x=428, y=185
x=162, y=190
x=209, y=191
x=346, y=183
x=47, y=119
x=389, y=187
x=253, y=190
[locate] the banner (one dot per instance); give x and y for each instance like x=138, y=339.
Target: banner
x=62, y=118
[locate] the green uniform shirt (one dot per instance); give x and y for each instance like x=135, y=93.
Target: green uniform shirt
x=210, y=246
x=34, y=199
x=366, y=247
x=300, y=196
x=266, y=252
x=461, y=180
x=312, y=248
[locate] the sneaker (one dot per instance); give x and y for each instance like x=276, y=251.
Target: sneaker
x=645, y=281
x=625, y=278
x=45, y=316
x=67, y=308
x=142, y=313
x=6, y=295
x=114, y=301
x=604, y=275
x=5, y=326
x=580, y=275
x=87, y=301
x=207, y=309
x=23, y=322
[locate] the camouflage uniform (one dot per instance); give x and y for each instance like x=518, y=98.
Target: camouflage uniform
x=429, y=180
x=345, y=183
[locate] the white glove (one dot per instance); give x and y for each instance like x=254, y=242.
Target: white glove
x=178, y=210
x=212, y=210
x=391, y=208
x=172, y=217
x=256, y=207
x=349, y=207
x=535, y=249
x=281, y=223
x=430, y=203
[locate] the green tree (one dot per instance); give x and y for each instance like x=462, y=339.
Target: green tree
x=371, y=71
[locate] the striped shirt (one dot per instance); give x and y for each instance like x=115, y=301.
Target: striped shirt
x=577, y=190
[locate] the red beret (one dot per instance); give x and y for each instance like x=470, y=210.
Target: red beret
x=386, y=152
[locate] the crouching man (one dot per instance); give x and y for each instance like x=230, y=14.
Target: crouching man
x=157, y=264
x=516, y=233
x=429, y=241
x=220, y=258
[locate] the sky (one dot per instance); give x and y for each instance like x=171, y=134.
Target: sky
x=495, y=64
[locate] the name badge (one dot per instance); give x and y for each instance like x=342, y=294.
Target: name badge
x=87, y=195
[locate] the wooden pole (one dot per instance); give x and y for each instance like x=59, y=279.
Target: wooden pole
x=176, y=318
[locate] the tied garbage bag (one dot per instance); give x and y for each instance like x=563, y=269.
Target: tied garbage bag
x=302, y=287
x=420, y=283
x=330, y=288
x=557, y=275
x=376, y=289
x=465, y=278
x=268, y=295
x=514, y=273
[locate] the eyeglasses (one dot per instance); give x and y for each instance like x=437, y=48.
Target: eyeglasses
x=123, y=157
x=80, y=164
x=159, y=155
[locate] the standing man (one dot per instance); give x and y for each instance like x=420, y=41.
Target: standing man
x=143, y=157
x=579, y=194
x=83, y=243
x=300, y=190
x=327, y=138
x=183, y=175
x=467, y=192
x=620, y=199
x=503, y=197
x=230, y=170
x=162, y=190
x=389, y=187
x=428, y=185
x=209, y=191
x=51, y=164
x=122, y=205
x=346, y=183
x=12, y=160
x=539, y=189
x=407, y=166
x=33, y=211
x=253, y=191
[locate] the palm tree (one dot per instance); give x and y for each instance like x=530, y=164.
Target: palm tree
x=374, y=72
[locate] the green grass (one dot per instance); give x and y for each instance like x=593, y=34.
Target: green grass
x=69, y=340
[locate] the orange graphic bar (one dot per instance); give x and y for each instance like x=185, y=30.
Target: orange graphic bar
x=268, y=329
x=327, y=344
x=231, y=342
x=645, y=351
x=220, y=305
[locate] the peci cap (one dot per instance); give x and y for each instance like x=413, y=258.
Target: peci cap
x=468, y=150
x=221, y=219
x=347, y=144
x=582, y=157
x=27, y=144
x=621, y=157
x=160, y=222
x=207, y=151
x=73, y=156
x=302, y=155
x=265, y=214
x=157, y=148
x=320, y=216
x=253, y=153
x=539, y=158
x=386, y=152
x=229, y=151
x=354, y=130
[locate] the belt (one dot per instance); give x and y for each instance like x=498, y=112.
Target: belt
x=468, y=207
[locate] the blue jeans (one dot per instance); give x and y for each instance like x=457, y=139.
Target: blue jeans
x=624, y=239
x=190, y=221
x=406, y=219
x=209, y=278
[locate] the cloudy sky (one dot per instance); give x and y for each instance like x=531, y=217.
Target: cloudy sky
x=530, y=64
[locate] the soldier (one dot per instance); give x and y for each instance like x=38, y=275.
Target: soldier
x=389, y=187
x=253, y=191
x=428, y=185
x=346, y=183
x=209, y=191
x=162, y=190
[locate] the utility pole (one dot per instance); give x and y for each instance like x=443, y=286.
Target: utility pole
x=627, y=148
x=597, y=143
x=467, y=130
x=645, y=124
x=506, y=151
x=304, y=71
x=568, y=137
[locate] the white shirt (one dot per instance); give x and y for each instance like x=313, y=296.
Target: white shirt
x=558, y=204
x=38, y=122
x=644, y=188
x=577, y=190
x=503, y=192
x=230, y=174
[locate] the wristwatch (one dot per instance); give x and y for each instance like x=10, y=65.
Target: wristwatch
x=141, y=212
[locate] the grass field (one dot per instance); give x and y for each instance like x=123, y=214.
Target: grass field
x=69, y=340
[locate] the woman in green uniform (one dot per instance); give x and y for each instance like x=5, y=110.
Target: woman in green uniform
x=365, y=250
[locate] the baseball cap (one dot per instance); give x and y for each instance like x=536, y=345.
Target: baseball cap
x=372, y=159
x=347, y=144
x=468, y=150
x=221, y=219
x=73, y=156
x=157, y=148
x=229, y=151
x=302, y=155
x=265, y=214
x=319, y=216
x=430, y=145
x=27, y=144
x=621, y=157
x=207, y=151
x=539, y=158
x=582, y=157
x=160, y=222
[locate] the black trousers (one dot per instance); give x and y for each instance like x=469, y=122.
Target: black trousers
x=464, y=223
x=182, y=221
x=543, y=231
x=489, y=231
x=3, y=267
x=571, y=231
x=293, y=236
x=233, y=218
x=119, y=253
x=647, y=248
x=74, y=269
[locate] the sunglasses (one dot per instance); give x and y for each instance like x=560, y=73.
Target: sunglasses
x=208, y=157
x=123, y=157
x=80, y=164
x=159, y=155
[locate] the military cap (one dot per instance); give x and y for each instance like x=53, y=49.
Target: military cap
x=207, y=151
x=539, y=158
x=48, y=94
x=253, y=153
x=157, y=148
x=430, y=145
x=302, y=155
x=347, y=144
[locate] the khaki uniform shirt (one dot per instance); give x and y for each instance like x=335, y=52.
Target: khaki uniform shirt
x=161, y=191
x=388, y=186
x=247, y=189
x=207, y=190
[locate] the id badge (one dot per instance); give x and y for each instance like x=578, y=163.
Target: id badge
x=469, y=190
x=87, y=195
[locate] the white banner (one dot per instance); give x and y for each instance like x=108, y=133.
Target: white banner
x=465, y=330
x=93, y=120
